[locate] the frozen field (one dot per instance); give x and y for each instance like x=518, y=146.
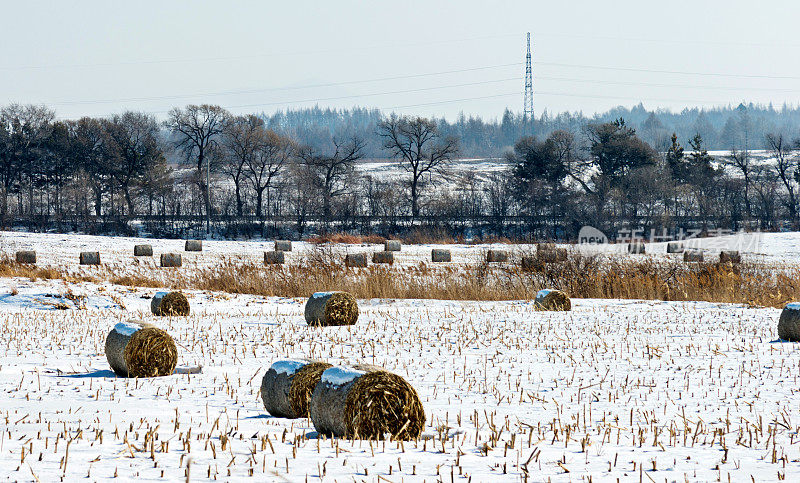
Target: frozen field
x=628, y=390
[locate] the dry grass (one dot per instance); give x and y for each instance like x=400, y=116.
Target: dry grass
x=346, y=238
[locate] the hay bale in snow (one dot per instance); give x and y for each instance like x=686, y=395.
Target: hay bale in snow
x=789, y=323
x=674, y=247
x=383, y=257
x=392, y=245
x=440, y=255
x=355, y=260
x=545, y=246
x=692, y=255
x=143, y=250
x=331, y=309
x=287, y=386
x=283, y=245
x=354, y=404
x=171, y=260
x=274, y=258
x=90, y=258
x=496, y=256
x=730, y=256
x=135, y=349
x=552, y=300
x=25, y=256
x=636, y=248
x=172, y=303
x=552, y=256
x=193, y=246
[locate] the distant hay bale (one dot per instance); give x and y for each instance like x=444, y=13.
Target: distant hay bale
x=552, y=300
x=283, y=245
x=392, y=245
x=135, y=349
x=692, y=255
x=274, y=258
x=530, y=263
x=287, y=386
x=143, y=250
x=789, y=323
x=26, y=256
x=554, y=255
x=193, y=246
x=636, y=248
x=730, y=256
x=331, y=309
x=674, y=247
x=168, y=304
x=90, y=258
x=354, y=404
x=545, y=246
x=440, y=255
x=383, y=257
x=358, y=260
x=496, y=256
x=171, y=260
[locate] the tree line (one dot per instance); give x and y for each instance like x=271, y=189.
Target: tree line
x=203, y=169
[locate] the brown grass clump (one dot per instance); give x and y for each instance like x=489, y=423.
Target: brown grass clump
x=552, y=301
x=381, y=403
x=303, y=384
x=173, y=303
x=151, y=352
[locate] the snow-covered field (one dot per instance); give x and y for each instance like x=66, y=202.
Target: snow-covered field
x=628, y=390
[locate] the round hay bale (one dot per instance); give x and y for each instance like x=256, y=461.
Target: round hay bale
x=496, y=256
x=331, y=309
x=392, y=245
x=552, y=301
x=135, y=349
x=383, y=257
x=25, y=256
x=172, y=303
x=730, y=256
x=283, y=245
x=545, y=246
x=674, y=247
x=692, y=255
x=440, y=255
x=90, y=258
x=274, y=258
x=552, y=256
x=789, y=323
x=636, y=248
x=193, y=246
x=531, y=263
x=287, y=386
x=354, y=404
x=171, y=260
x=143, y=250
x=357, y=260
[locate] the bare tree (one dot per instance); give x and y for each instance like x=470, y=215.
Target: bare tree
x=785, y=164
x=332, y=171
x=197, y=130
x=740, y=160
x=240, y=139
x=419, y=146
x=271, y=153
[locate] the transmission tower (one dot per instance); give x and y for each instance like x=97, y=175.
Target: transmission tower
x=528, y=83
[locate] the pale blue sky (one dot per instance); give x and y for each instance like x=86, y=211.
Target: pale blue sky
x=101, y=57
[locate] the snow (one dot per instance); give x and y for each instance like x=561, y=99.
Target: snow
x=339, y=376
x=793, y=306
x=127, y=328
x=288, y=366
x=543, y=293
x=319, y=295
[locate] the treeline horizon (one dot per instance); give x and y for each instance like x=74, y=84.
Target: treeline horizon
x=294, y=173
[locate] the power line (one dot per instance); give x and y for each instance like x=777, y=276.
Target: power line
x=657, y=71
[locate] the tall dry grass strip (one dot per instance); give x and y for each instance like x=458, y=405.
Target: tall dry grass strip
x=170, y=304
x=692, y=255
x=552, y=301
x=135, y=349
x=287, y=386
x=331, y=309
x=383, y=257
x=392, y=245
x=26, y=256
x=730, y=256
x=789, y=323
x=274, y=258
x=283, y=245
x=193, y=246
x=674, y=247
x=89, y=258
x=143, y=250
x=171, y=260
x=496, y=256
x=441, y=255
x=355, y=260
x=636, y=248
x=353, y=404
